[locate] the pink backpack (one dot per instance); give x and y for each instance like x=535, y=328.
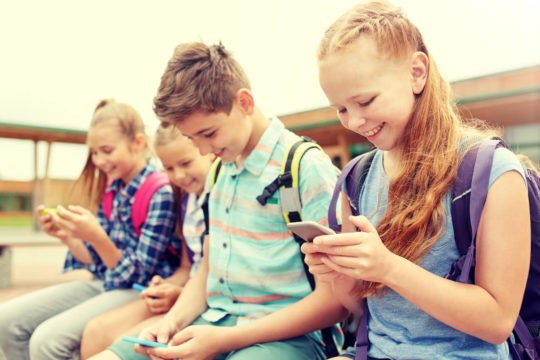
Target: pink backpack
x=141, y=200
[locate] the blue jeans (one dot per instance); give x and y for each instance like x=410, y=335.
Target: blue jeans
x=48, y=323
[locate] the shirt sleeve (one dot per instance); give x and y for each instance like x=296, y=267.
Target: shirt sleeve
x=504, y=160
x=97, y=267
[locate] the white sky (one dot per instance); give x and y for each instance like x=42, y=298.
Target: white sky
x=59, y=57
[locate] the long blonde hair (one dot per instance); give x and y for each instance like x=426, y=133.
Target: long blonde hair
x=415, y=217
x=89, y=188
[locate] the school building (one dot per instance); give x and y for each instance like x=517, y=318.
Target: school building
x=509, y=100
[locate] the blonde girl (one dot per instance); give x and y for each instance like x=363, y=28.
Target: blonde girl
x=48, y=324
x=187, y=170
x=377, y=72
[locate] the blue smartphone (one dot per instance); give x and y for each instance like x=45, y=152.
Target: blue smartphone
x=138, y=287
x=143, y=342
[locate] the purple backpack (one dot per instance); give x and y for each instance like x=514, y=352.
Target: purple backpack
x=469, y=195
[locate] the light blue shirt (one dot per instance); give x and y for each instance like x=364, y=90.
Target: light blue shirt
x=255, y=265
x=398, y=329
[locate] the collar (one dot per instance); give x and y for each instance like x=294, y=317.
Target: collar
x=129, y=189
x=261, y=154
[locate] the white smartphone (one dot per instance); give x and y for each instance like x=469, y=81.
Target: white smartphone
x=308, y=230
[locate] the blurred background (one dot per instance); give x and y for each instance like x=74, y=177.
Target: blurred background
x=59, y=58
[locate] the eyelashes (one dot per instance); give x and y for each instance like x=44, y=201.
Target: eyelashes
x=363, y=104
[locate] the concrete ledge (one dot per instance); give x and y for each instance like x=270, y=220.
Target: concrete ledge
x=23, y=237
x=18, y=237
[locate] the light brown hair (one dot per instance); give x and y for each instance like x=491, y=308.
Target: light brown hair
x=198, y=78
x=163, y=137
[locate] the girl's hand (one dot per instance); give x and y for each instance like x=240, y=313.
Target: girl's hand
x=46, y=221
x=49, y=224
x=314, y=259
x=359, y=255
x=160, y=296
x=80, y=223
x=196, y=342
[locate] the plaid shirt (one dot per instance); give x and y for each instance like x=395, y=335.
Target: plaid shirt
x=142, y=256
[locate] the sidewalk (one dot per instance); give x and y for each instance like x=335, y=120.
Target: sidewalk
x=35, y=267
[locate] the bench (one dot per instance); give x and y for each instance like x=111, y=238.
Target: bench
x=13, y=238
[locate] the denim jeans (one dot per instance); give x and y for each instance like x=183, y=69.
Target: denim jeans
x=48, y=323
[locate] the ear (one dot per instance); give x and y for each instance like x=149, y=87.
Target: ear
x=245, y=100
x=419, y=71
x=140, y=142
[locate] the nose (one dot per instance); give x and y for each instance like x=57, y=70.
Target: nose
x=355, y=119
x=178, y=174
x=204, y=146
x=98, y=160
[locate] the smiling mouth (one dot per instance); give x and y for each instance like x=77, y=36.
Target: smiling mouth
x=219, y=153
x=373, y=131
x=187, y=184
x=107, y=170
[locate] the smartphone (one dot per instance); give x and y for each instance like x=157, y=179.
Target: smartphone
x=138, y=287
x=48, y=211
x=308, y=230
x=143, y=342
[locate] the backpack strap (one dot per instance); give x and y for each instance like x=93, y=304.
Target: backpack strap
x=107, y=202
x=470, y=193
x=353, y=176
x=288, y=183
x=142, y=197
x=141, y=200
x=289, y=193
x=291, y=206
x=215, y=168
x=362, y=341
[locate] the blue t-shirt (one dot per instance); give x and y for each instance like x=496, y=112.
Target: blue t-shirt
x=398, y=329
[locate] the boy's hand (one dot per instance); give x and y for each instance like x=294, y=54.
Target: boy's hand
x=196, y=342
x=161, y=332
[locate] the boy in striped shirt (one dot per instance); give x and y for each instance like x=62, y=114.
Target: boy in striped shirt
x=251, y=297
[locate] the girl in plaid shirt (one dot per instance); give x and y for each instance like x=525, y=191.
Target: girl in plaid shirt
x=48, y=324
x=187, y=170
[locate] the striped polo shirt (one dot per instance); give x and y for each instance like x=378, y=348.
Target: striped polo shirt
x=255, y=265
